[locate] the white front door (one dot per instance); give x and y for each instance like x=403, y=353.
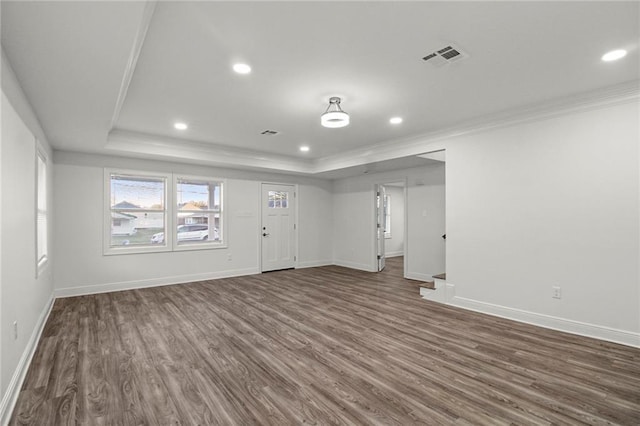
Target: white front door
x=278, y=227
x=380, y=224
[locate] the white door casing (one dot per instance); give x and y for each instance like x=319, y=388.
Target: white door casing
x=380, y=223
x=278, y=227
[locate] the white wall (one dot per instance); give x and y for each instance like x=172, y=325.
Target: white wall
x=426, y=223
x=394, y=246
x=315, y=224
x=25, y=298
x=354, y=220
x=549, y=203
x=82, y=268
x=353, y=224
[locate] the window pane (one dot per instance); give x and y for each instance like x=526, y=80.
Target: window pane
x=198, y=216
x=194, y=228
x=41, y=221
x=42, y=235
x=42, y=184
x=132, y=228
x=131, y=192
x=387, y=214
x=198, y=195
x=278, y=199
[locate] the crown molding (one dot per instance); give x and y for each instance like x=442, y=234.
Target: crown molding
x=165, y=148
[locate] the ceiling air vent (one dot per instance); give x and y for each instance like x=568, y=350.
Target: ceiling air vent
x=269, y=132
x=446, y=55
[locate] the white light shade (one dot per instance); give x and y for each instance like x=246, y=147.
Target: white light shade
x=242, y=68
x=395, y=120
x=180, y=126
x=304, y=148
x=334, y=116
x=614, y=55
x=334, y=119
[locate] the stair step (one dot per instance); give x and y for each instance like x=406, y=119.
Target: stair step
x=431, y=285
x=442, y=276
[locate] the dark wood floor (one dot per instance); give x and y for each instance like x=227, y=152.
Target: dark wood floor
x=316, y=346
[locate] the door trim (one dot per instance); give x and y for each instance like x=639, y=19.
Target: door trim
x=374, y=241
x=296, y=234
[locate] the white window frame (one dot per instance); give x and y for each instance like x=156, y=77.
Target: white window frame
x=41, y=258
x=168, y=216
x=222, y=243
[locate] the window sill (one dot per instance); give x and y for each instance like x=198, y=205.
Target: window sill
x=115, y=251
x=200, y=246
x=118, y=250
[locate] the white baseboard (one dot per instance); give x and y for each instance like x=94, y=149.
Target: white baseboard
x=449, y=291
x=555, y=323
x=155, y=282
x=11, y=394
x=394, y=253
x=313, y=264
x=354, y=265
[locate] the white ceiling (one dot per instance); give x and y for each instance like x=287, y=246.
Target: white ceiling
x=113, y=77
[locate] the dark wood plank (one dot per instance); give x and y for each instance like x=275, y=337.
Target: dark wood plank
x=319, y=345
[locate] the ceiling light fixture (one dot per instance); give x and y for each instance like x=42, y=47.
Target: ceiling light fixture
x=395, y=120
x=334, y=116
x=242, y=68
x=614, y=55
x=304, y=148
x=180, y=126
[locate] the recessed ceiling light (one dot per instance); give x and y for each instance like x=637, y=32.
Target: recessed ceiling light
x=304, y=148
x=395, y=120
x=180, y=126
x=242, y=68
x=614, y=55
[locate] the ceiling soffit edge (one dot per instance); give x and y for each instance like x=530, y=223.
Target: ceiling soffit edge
x=602, y=98
x=165, y=147
x=216, y=154
x=130, y=69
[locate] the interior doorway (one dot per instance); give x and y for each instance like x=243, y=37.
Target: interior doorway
x=427, y=220
x=390, y=229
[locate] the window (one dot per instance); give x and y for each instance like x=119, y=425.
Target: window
x=153, y=212
x=278, y=199
x=198, y=212
x=137, y=212
x=41, y=211
x=387, y=216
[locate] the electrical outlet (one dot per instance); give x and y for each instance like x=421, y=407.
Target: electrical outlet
x=15, y=330
x=557, y=292
x=229, y=257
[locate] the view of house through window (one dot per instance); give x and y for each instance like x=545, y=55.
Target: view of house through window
x=278, y=199
x=138, y=212
x=198, y=214
x=140, y=215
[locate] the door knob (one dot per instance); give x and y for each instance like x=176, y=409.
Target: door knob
x=264, y=234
